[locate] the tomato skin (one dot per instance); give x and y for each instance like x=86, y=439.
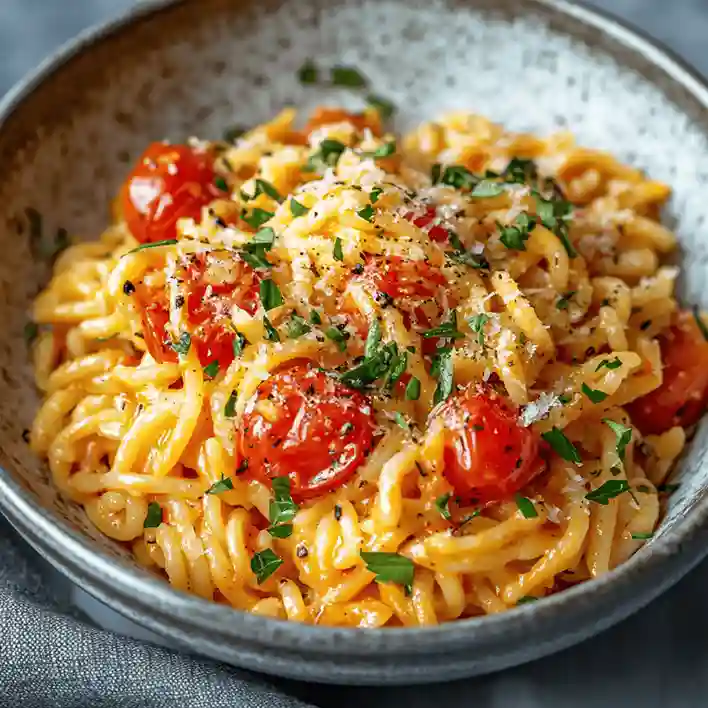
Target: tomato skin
x=488, y=456
x=437, y=233
x=208, y=301
x=317, y=431
x=683, y=395
x=169, y=182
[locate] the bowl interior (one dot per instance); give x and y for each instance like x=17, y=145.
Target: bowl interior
x=197, y=69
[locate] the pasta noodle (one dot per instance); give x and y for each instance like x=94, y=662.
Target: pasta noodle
x=403, y=287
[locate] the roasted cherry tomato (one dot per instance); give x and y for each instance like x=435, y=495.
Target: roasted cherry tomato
x=488, y=456
x=436, y=233
x=170, y=182
x=303, y=424
x=325, y=116
x=683, y=395
x=214, y=284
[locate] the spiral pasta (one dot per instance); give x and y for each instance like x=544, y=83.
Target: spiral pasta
x=534, y=277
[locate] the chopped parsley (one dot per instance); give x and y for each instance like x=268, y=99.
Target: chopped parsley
x=526, y=599
x=413, y=389
x=263, y=187
x=307, y=73
x=562, y=446
x=445, y=375
x=220, y=183
x=296, y=208
x=374, y=194
x=400, y=421
x=30, y=332
x=441, y=504
x=383, y=151
x=257, y=217
x=447, y=329
x=297, y=326
x=595, y=395
x=623, y=436
x=154, y=244
x=239, y=342
x=563, y=302
x=282, y=509
x=526, y=507
x=609, y=364
x=366, y=213
x=461, y=256
x=264, y=564
x=373, y=339
x=520, y=171
x=348, y=77
x=699, y=321
x=384, y=107
x=154, y=516
x=390, y=568
x=435, y=173
x=609, y=490
x=477, y=323
x=553, y=214
x=327, y=155
x=271, y=333
x=514, y=237
x=315, y=318
x=458, y=177
x=337, y=250
x=270, y=295
x=230, y=407
x=212, y=369
x=642, y=536
x=223, y=485
x=382, y=362
x=182, y=345
x=338, y=337
x=487, y=189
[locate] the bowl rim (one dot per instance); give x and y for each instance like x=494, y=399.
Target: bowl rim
x=69, y=549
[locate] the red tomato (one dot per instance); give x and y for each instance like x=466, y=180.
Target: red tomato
x=437, y=233
x=314, y=430
x=170, y=182
x=214, y=284
x=488, y=456
x=682, y=397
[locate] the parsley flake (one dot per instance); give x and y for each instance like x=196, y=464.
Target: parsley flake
x=154, y=244
x=563, y=302
x=327, y=155
x=223, y=485
x=337, y=250
x=315, y=318
x=154, y=516
x=271, y=333
x=390, y=567
x=400, y=421
x=514, y=237
x=609, y=364
x=297, y=326
x=384, y=150
x=373, y=339
x=181, y=346
x=562, y=446
x=609, y=490
x=445, y=376
x=238, y=344
x=212, y=369
x=642, y=536
x=297, y=209
x=374, y=194
x=230, y=407
x=526, y=507
x=441, y=504
x=623, y=436
x=257, y=217
x=384, y=107
x=270, y=295
x=264, y=564
x=348, y=77
x=595, y=395
x=477, y=325
x=220, y=183
x=307, y=73
x=366, y=213
x=338, y=337
x=282, y=508
x=487, y=189
x=413, y=389
x=447, y=329
x=458, y=177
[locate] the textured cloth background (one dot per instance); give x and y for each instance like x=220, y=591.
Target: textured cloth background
x=51, y=658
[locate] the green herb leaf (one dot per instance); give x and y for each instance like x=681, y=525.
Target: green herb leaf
x=413, y=389
x=563, y=302
x=282, y=508
x=699, y=321
x=385, y=108
x=447, y=329
x=271, y=333
x=397, y=368
x=562, y=446
x=181, y=346
x=435, y=173
x=220, y=183
x=212, y=369
x=435, y=362
x=263, y=187
x=223, y=485
x=255, y=259
x=642, y=536
x=296, y=208
x=389, y=567
x=315, y=318
x=609, y=364
x=381, y=151
x=243, y=466
x=553, y=214
x=441, y=504
x=373, y=339
x=154, y=244
x=270, y=295
x=230, y=407
x=458, y=177
x=30, y=332
x=609, y=490
x=257, y=217
x=153, y=517
x=400, y=421
x=337, y=250
x=338, y=337
x=239, y=342
x=233, y=133
x=372, y=368
x=520, y=170
x=264, y=564
x=526, y=599
x=281, y=531
x=514, y=237
x=623, y=435
x=526, y=507
x=477, y=323
x=297, y=326
x=348, y=76
x=460, y=255
x=445, y=376
x=307, y=73
x=374, y=194
x=593, y=394
x=487, y=189
x=366, y=213
x=327, y=155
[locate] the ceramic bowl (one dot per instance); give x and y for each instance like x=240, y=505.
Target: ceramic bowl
x=169, y=70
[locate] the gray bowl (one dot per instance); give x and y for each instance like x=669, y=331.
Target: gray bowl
x=174, y=69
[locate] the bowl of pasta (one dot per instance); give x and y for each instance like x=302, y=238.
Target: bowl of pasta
x=358, y=342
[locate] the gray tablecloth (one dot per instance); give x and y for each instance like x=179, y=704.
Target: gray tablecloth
x=52, y=657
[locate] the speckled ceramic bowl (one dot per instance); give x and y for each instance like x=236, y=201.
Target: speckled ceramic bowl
x=175, y=69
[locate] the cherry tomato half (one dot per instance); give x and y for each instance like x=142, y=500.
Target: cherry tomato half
x=683, y=395
x=169, y=182
x=488, y=456
x=213, y=283
x=436, y=233
x=305, y=425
